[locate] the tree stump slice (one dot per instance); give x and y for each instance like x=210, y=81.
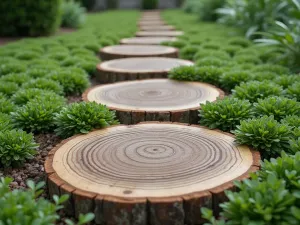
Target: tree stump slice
x=157, y=28
x=153, y=100
x=137, y=68
x=159, y=33
x=150, y=173
x=128, y=51
x=146, y=40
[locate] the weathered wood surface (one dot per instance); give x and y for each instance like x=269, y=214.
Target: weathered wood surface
x=146, y=40
x=159, y=33
x=154, y=99
x=137, y=68
x=129, y=51
x=150, y=173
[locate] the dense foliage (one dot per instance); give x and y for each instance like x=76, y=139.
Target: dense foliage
x=73, y=14
x=29, y=18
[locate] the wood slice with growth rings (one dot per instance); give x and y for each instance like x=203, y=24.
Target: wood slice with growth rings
x=137, y=68
x=128, y=51
x=159, y=33
x=154, y=100
x=147, y=174
x=146, y=40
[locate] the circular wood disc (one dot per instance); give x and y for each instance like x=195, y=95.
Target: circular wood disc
x=145, y=174
x=146, y=40
x=157, y=28
x=137, y=68
x=151, y=23
x=126, y=51
x=159, y=33
x=154, y=100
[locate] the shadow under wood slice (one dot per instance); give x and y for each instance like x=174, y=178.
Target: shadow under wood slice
x=166, y=211
x=158, y=116
x=182, y=116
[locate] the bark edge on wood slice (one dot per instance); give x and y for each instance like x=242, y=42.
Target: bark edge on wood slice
x=179, y=209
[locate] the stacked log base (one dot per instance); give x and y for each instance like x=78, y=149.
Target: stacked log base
x=147, y=174
x=127, y=51
x=146, y=40
x=137, y=68
x=159, y=33
x=154, y=100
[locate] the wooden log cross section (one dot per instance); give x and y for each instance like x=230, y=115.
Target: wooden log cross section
x=146, y=40
x=154, y=100
x=157, y=28
x=127, y=51
x=159, y=33
x=137, y=68
x=147, y=174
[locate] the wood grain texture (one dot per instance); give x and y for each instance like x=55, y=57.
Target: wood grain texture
x=128, y=51
x=159, y=33
x=145, y=40
x=137, y=68
x=151, y=173
x=154, y=99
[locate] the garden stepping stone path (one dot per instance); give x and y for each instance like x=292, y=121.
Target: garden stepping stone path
x=126, y=51
x=151, y=23
x=157, y=28
x=146, y=40
x=150, y=173
x=159, y=33
x=137, y=68
x=154, y=100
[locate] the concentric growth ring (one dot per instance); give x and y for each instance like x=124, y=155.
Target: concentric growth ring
x=154, y=162
x=137, y=68
x=154, y=100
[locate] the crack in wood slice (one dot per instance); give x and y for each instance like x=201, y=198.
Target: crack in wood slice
x=151, y=173
x=146, y=40
x=157, y=28
x=154, y=100
x=159, y=33
x=127, y=51
x=137, y=68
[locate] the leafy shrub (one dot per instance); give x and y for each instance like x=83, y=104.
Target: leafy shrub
x=278, y=69
x=202, y=53
x=191, y=6
x=186, y=73
x=8, y=88
x=211, y=46
x=27, y=207
x=73, y=14
x=295, y=147
x=285, y=168
x=261, y=76
x=239, y=41
x=5, y=122
x=33, y=18
x=208, y=74
x=253, y=90
x=11, y=67
x=207, y=9
x=18, y=78
x=211, y=61
x=58, y=55
x=286, y=80
x=233, y=78
x=247, y=59
x=265, y=134
x=177, y=44
x=149, y=4
x=188, y=52
x=15, y=147
x=293, y=121
x=36, y=116
x=279, y=107
x=45, y=84
x=6, y=106
x=259, y=202
x=293, y=91
x=74, y=81
x=27, y=55
x=231, y=49
x=23, y=96
x=225, y=114
x=83, y=117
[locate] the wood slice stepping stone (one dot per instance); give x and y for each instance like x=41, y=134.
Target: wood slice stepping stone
x=146, y=40
x=147, y=174
x=154, y=100
x=137, y=68
x=151, y=23
x=159, y=33
x=157, y=28
x=126, y=51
